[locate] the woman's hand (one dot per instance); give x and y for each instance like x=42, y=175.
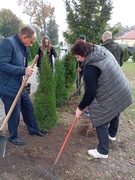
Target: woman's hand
x=78, y=112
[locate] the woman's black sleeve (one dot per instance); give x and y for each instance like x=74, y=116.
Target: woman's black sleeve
x=90, y=75
x=53, y=52
x=39, y=58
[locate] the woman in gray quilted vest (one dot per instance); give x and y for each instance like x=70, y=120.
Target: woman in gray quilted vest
x=107, y=92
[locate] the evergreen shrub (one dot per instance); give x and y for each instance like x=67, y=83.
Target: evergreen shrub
x=133, y=57
x=45, y=97
x=33, y=51
x=61, y=90
x=126, y=55
x=70, y=69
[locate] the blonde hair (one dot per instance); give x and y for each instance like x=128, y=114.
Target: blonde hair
x=43, y=44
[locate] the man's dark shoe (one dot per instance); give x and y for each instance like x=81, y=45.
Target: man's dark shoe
x=17, y=142
x=39, y=133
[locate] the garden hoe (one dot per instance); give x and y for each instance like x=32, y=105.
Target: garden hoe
x=50, y=174
x=3, y=140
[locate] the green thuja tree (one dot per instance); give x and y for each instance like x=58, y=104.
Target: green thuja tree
x=133, y=57
x=61, y=90
x=70, y=69
x=33, y=51
x=126, y=55
x=45, y=97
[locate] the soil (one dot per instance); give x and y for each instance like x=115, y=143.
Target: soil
x=31, y=161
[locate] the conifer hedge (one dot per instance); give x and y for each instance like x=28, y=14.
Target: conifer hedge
x=70, y=69
x=45, y=97
x=61, y=90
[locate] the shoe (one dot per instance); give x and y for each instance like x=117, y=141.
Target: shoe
x=112, y=138
x=39, y=133
x=86, y=112
x=96, y=154
x=17, y=141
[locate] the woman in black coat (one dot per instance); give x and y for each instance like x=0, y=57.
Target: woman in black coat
x=46, y=46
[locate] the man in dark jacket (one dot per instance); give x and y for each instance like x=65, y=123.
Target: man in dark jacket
x=13, y=66
x=79, y=75
x=79, y=69
x=113, y=47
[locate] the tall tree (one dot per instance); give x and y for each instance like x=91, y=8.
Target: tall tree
x=10, y=24
x=38, y=12
x=52, y=30
x=88, y=17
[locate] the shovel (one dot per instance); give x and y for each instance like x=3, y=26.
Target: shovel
x=3, y=140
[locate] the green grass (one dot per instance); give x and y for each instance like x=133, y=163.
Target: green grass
x=128, y=66
x=129, y=69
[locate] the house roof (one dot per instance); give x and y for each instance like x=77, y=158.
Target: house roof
x=129, y=35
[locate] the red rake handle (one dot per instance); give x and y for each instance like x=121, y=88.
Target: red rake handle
x=18, y=95
x=65, y=141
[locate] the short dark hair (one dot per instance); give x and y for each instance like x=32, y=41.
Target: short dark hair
x=82, y=37
x=81, y=48
x=28, y=30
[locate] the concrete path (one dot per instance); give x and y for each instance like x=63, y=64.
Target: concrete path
x=34, y=83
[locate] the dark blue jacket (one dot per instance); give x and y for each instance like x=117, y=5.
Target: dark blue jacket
x=13, y=60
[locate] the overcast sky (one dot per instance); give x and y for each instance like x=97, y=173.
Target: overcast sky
x=123, y=12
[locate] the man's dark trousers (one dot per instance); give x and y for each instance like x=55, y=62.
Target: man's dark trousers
x=25, y=106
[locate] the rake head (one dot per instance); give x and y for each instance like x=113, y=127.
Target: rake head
x=45, y=173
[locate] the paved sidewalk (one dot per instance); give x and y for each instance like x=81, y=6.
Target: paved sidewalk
x=34, y=83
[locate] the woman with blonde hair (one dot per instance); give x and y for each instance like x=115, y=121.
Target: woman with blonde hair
x=46, y=46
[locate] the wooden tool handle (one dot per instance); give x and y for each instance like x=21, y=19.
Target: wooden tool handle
x=18, y=95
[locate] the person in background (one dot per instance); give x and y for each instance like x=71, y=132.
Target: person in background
x=13, y=66
x=107, y=92
x=113, y=47
x=79, y=75
x=79, y=69
x=46, y=46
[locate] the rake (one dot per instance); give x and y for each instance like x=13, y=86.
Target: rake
x=50, y=174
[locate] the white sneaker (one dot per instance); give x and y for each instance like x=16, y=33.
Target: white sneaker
x=96, y=154
x=112, y=138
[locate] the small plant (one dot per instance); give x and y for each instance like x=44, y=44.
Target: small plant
x=90, y=158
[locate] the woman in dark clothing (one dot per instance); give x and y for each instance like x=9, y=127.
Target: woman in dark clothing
x=107, y=92
x=46, y=46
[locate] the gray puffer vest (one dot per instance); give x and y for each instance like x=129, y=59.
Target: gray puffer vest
x=113, y=89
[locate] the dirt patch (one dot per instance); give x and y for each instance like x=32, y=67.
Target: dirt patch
x=24, y=163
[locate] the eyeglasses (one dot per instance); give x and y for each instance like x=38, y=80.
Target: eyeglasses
x=46, y=42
